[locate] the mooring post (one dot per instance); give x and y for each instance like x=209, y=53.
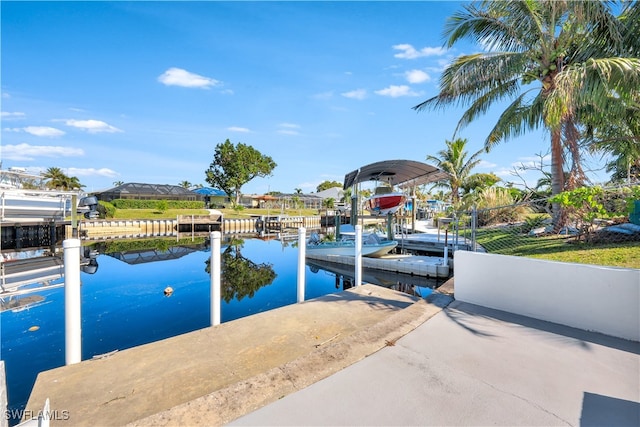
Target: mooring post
x=215, y=277
x=72, y=303
x=302, y=254
x=358, y=263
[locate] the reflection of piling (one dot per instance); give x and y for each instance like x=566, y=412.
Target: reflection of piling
x=215, y=277
x=72, y=318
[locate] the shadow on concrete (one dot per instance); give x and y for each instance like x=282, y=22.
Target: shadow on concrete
x=599, y=410
x=463, y=312
x=347, y=297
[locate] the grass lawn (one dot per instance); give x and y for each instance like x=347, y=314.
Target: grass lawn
x=557, y=248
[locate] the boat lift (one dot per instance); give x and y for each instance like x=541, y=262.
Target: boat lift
x=397, y=173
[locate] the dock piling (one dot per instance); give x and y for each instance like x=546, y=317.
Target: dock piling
x=72, y=303
x=215, y=277
x=302, y=255
x=358, y=259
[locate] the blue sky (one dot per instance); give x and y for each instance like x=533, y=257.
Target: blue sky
x=144, y=91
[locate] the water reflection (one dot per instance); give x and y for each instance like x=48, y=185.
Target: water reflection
x=345, y=278
x=240, y=276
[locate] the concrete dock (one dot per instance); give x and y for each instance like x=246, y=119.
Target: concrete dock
x=234, y=368
x=366, y=356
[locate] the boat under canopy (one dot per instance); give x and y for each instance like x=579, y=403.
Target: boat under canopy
x=400, y=173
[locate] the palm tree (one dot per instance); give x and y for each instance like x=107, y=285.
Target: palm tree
x=60, y=181
x=118, y=183
x=184, y=184
x=557, y=63
x=454, y=161
x=55, y=178
x=620, y=138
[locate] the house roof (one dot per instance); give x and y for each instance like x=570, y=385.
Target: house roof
x=153, y=189
x=403, y=173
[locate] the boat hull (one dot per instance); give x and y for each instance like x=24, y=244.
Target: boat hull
x=383, y=204
x=348, y=248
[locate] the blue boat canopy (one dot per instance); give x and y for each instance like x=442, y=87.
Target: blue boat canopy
x=208, y=191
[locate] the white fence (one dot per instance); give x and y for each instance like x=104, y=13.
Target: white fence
x=593, y=298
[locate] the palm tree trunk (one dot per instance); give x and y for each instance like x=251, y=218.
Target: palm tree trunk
x=557, y=177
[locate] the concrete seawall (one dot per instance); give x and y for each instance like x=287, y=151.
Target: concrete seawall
x=214, y=375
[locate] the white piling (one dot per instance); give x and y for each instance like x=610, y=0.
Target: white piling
x=72, y=302
x=302, y=254
x=358, y=263
x=215, y=269
x=445, y=260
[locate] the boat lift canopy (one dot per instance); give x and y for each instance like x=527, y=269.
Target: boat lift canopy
x=401, y=173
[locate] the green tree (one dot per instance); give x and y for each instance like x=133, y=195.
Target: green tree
x=619, y=137
x=185, y=184
x=235, y=165
x=329, y=203
x=118, y=183
x=454, y=161
x=479, y=181
x=297, y=190
x=556, y=62
x=162, y=205
x=325, y=185
x=55, y=178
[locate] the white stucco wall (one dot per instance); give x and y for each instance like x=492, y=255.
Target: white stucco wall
x=588, y=297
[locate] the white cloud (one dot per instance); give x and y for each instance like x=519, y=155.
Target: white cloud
x=355, y=94
x=323, y=95
x=417, y=76
x=503, y=173
x=397, y=91
x=237, y=129
x=289, y=125
x=38, y=131
x=15, y=115
x=91, y=172
x=409, y=52
x=486, y=165
x=179, y=77
x=31, y=152
x=92, y=126
x=288, y=129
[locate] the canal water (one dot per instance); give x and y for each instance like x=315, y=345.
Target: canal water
x=133, y=294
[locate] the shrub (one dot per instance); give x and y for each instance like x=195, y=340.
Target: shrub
x=106, y=209
x=153, y=204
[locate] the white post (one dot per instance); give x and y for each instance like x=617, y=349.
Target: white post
x=72, y=318
x=215, y=269
x=302, y=254
x=446, y=246
x=358, y=274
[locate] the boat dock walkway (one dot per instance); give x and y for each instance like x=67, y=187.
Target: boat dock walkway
x=217, y=374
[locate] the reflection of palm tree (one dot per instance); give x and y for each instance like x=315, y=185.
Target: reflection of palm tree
x=454, y=161
x=553, y=61
x=240, y=276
